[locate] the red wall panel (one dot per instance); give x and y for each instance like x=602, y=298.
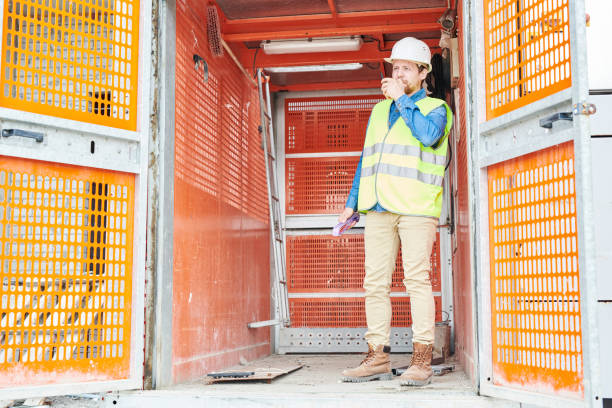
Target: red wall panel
x=323, y=263
x=221, y=236
x=324, y=124
x=318, y=185
x=462, y=268
x=349, y=312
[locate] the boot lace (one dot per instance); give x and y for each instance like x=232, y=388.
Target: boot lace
x=369, y=355
x=419, y=358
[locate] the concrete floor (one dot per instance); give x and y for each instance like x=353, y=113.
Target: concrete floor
x=317, y=384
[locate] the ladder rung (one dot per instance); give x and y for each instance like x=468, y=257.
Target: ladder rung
x=279, y=240
x=275, y=198
x=267, y=115
x=264, y=323
x=271, y=156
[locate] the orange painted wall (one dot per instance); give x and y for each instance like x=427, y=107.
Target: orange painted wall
x=462, y=268
x=221, y=275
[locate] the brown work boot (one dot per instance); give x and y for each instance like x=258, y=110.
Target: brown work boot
x=419, y=373
x=376, y=366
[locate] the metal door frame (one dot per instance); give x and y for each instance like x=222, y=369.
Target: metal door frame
x=512, y=135
x=119, y=150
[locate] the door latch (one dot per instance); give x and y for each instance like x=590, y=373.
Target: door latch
x=23, y=133
x=582, y=108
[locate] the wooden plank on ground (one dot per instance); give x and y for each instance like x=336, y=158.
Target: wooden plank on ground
x=260, y=374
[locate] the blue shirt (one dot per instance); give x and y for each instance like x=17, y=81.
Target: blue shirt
x=426, y=129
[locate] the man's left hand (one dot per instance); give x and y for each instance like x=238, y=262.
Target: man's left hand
x=392, y=88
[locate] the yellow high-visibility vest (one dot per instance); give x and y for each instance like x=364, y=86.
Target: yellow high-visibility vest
x=397, y=171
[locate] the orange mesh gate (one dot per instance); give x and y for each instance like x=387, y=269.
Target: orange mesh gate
x=72, y=59
x=527, y=52
x=535, y=295
x=66, y=237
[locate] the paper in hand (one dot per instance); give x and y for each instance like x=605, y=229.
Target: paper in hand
x=340, y=228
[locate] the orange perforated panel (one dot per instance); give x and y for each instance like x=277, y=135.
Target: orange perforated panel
x=323, y=263
x=527, y=52
x=327, y=124
x=348, y=312
x=318, y=185
x=66, y=272
x=535, y=295
x=73, y=59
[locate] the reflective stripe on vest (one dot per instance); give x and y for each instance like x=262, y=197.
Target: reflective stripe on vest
x=405, y=151
x=406, y=172
x=397, y=171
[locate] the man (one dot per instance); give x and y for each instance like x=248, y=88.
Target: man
x=398, y=183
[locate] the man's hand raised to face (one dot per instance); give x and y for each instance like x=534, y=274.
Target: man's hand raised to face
x=392, y=88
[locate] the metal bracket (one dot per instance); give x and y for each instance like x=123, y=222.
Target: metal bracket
x=199, y=61
x=584, y=108
x=548, y=122
x=23, y=133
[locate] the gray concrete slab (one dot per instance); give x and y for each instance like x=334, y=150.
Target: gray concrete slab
x=316, y=385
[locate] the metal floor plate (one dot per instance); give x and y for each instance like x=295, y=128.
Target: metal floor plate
x=337, y=340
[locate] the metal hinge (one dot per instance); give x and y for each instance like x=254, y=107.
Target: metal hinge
x=584, y=108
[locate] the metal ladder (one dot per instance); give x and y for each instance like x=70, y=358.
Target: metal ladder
x=281, y=302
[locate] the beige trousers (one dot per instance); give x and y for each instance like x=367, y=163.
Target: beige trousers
x=383, y=233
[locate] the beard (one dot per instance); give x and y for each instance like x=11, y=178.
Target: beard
x=411, y=88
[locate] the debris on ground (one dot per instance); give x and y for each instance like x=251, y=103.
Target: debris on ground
x=250, y=374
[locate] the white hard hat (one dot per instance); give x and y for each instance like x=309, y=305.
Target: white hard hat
x=411, y=49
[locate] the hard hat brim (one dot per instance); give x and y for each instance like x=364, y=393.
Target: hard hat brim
x=390, y=61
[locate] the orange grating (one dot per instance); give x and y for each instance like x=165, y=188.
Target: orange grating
x=327, y=124
x=73, y=59
x=527, y=52
x=218, y=147
x=66, y=271
x=535, y=296
x=348, y=312
x=319, y=185
x=323, y=263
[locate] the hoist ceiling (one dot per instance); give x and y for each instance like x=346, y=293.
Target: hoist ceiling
x=244, y=24
x=246, y=9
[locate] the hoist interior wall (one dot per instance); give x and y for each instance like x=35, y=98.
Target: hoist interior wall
x=221, y=276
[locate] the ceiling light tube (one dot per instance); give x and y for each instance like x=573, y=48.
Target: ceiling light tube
x=326, y=44
x=315, y=68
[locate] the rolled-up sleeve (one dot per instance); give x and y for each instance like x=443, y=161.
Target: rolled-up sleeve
x=351, y=202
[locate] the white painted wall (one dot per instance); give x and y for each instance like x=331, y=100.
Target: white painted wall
x=599, y=35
